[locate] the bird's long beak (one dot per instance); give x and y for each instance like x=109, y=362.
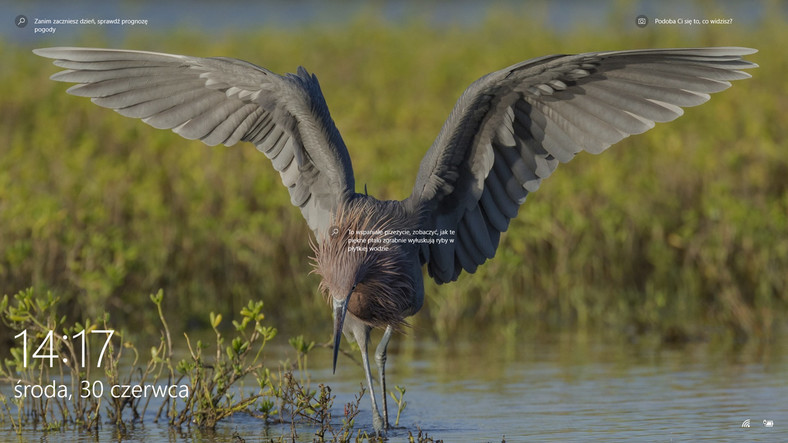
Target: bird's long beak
x=340, y=309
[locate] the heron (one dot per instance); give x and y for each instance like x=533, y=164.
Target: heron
x=508, y=131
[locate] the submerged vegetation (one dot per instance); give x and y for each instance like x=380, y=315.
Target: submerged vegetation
x=677, y=232
x=213, y=382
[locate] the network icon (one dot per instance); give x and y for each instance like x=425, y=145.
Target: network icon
x=766, y=423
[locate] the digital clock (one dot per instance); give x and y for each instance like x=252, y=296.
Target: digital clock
x=49, y=344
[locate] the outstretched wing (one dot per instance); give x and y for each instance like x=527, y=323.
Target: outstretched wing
x=224, y=100
x=511, y=128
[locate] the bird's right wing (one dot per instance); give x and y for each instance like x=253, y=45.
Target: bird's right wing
x=511, y=128
x=224, y=100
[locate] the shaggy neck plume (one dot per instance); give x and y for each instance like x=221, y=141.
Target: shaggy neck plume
x=363, y=254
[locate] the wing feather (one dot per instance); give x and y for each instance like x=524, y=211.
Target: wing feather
x=511, y=128
x=224, y=100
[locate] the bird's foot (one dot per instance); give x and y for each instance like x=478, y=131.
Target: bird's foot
x=380, y=428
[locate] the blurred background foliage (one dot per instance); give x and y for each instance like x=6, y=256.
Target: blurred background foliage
x=681, y=232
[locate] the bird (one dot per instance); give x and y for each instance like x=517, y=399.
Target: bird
x=508, y=131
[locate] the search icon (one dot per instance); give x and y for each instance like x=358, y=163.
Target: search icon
x=333, y=231
x=21, y=21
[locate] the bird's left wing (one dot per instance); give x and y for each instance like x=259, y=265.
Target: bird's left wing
x=224, y=100
x=511, y=128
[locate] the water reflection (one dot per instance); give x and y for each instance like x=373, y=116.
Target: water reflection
x=559, y=388
x=562, y=388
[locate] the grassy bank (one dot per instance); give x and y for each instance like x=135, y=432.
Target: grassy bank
x=681, y=231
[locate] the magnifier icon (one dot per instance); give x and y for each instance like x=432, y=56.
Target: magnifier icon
x=334, y=231
x=21, y=21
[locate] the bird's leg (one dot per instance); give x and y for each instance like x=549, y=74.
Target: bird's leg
x=363, y=341
x=380, y=359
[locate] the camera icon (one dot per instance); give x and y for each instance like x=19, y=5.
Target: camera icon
x=641, y=21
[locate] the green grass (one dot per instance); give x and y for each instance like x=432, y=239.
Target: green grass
x=682, y=231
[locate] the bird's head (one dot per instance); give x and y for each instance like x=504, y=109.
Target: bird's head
x=367, y=282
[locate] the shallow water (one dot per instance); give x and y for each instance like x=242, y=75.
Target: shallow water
x=546, y=389
x=569, y=390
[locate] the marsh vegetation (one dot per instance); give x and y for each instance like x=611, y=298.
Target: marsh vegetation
x=680, y=233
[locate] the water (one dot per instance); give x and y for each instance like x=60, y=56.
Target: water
x=568, y=391
x=545, y=389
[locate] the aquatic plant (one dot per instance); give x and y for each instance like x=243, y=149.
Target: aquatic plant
x=64, y=383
